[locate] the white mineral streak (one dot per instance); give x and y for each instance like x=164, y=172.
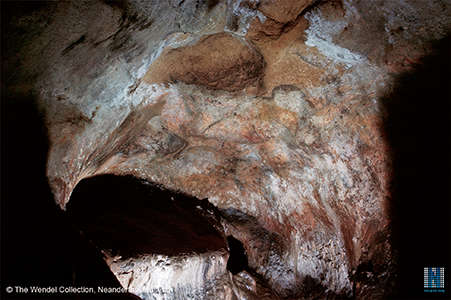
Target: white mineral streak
x=245, y=15
x=320, y=35
x=326, y=259
x=182, y=277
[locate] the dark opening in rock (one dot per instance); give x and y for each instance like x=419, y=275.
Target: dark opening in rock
x=128, y=217
x=237, y=260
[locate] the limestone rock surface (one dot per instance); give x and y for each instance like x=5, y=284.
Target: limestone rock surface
x=271, y=110
x=207, y=64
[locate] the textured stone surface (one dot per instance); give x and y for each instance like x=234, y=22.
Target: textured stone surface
x=283, y=11
x=206, y=63
x=278, y=122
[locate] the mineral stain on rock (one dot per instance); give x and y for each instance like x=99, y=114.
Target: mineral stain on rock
x=218, y=61
x=283, y=11
x=272, y=111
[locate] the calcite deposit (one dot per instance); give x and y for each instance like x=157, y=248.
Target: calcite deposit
x=271, y=110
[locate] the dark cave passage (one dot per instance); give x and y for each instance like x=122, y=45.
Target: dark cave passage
x=127, y=217
x=237, y=260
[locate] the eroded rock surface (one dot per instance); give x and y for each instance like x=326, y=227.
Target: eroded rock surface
x=271, y=110
x=206, y=63
x=282, y=11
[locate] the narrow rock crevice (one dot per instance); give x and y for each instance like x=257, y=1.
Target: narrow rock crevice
x=238, y=259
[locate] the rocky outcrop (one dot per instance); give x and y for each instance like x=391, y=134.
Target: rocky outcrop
x=271, y=110
x=207, y=64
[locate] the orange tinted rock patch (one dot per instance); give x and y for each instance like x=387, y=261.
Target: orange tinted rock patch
x=283, y=11
x=269, y=29
x=285, y=54
x=218, y=61
x=271, y=112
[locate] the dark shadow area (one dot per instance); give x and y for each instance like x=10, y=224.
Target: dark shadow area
x=418, y=128
x=39, y=247
x=237, y=260
x=127, y=217
x=212, y=3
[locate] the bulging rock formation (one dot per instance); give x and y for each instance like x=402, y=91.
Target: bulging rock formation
x=271, y=110
x=207, y=64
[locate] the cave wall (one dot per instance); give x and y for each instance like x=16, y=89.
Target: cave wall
x=273, y=110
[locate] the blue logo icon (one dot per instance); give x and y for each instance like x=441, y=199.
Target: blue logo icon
x=434, y=280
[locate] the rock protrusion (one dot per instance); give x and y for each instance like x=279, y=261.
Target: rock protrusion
x=218, y=61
